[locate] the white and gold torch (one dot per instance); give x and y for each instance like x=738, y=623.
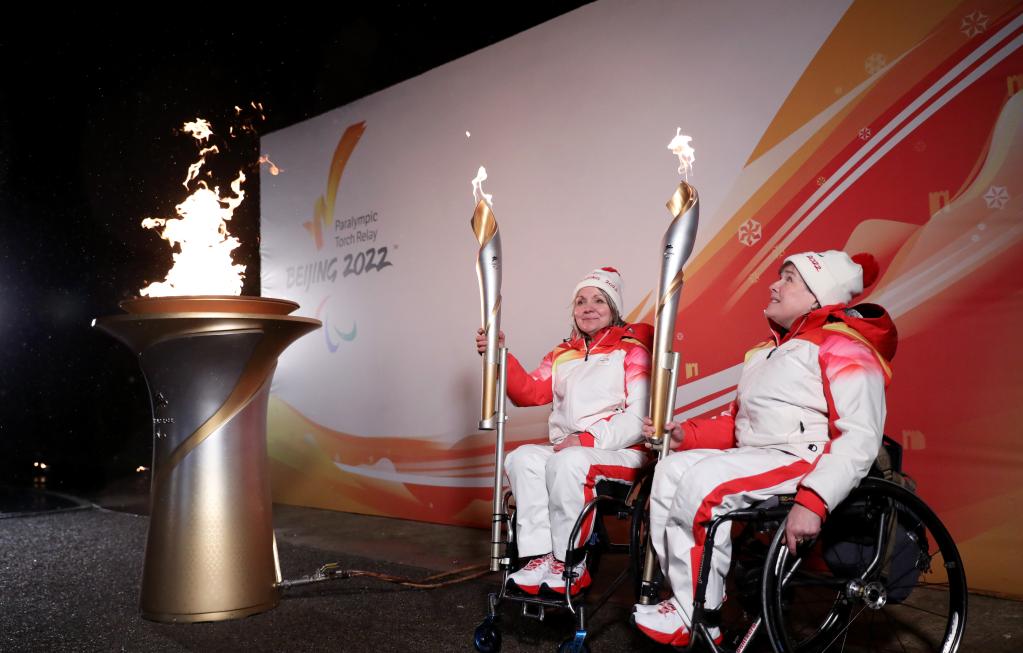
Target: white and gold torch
x=492, y=413
x=676, y=247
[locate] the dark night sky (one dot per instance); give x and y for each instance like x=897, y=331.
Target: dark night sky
x=89, y=108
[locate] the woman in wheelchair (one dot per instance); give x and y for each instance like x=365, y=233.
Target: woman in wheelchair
x=598, y=381
x=807, y=419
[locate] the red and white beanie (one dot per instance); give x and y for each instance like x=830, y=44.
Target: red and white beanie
x=833, y=276
x=607, y=279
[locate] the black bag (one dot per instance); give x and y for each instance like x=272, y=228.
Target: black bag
x=849, y=546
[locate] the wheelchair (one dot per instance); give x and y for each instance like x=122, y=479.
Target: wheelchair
x=884, y=574
x=623, y=502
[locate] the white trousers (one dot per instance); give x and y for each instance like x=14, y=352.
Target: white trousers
x=551, y=489
x=692, y=487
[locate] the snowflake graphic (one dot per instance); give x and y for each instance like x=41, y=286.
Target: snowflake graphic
x=750, y=232
x=821, y=180
x=875, y=63
x=920, y=146
x=865, y=134
x=996, y=197
x=973, y=24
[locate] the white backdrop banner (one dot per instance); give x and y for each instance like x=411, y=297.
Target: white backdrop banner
x=814, y=128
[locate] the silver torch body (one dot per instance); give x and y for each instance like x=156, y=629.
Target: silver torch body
x=488, y=271
x=492, y=414
x=676, y=247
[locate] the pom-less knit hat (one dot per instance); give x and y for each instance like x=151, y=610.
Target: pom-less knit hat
x=607, y=279
x=833, y=276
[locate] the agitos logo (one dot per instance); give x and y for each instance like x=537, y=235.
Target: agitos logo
x=323, y=211
x=349, y=336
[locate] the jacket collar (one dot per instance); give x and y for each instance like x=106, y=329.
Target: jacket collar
x=869, y=320
x=610, y=336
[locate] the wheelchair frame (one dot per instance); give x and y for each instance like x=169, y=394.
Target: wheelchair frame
x=778, y=577
x=487, y=637
x=855, y=594
x=866, y=588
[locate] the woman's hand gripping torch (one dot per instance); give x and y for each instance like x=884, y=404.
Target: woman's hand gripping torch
x=676, y=247
x=492, y=415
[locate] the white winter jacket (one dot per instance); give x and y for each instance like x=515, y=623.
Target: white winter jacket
x=818, y=393
x=599, y=390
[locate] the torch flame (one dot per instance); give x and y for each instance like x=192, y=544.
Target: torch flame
x=200, y=129
x=203, y=266
x=477, y=188
x=193, y=170
x=680, y=147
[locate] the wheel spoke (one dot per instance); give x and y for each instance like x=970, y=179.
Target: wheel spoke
x=843, y=633
x=917, y=581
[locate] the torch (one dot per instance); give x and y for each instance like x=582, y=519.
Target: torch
x=492, y=416
x=676, y=247
x=488, y=271
x=208, y=357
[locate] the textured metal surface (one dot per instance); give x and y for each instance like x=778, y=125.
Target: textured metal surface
x=488, y=271
x=210, y=550
x=676, y=246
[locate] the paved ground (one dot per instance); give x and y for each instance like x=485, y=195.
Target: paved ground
x=69, y=581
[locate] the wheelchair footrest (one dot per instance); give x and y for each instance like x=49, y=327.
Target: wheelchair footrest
x=533, y=611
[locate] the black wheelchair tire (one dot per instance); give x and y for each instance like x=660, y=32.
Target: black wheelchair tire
x=487, y=637
x=639, y=539
x=851, y=614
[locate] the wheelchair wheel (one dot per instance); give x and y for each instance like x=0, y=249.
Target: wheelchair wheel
x=884, y=575
x=639, y=540
x=487, y=637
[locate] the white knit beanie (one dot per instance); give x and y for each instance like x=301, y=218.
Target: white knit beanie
x=607, y=279
x=833, y=276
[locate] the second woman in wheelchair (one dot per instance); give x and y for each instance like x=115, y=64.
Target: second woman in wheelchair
x=807, y=419
x=598, y=381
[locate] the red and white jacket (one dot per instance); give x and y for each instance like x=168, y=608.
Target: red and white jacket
x=600, y=390
x=818, y=393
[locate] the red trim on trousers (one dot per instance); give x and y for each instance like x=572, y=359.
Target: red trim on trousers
x=704, y=514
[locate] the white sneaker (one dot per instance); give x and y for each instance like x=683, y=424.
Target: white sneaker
x=665, y=625
x=528, y=578
x=555, y=578
x=639, y=607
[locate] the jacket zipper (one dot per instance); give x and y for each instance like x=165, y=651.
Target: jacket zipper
x=587, y=345
x=777, y=341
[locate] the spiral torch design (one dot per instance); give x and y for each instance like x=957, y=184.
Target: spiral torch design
x=488, y=270
x=677, y=246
